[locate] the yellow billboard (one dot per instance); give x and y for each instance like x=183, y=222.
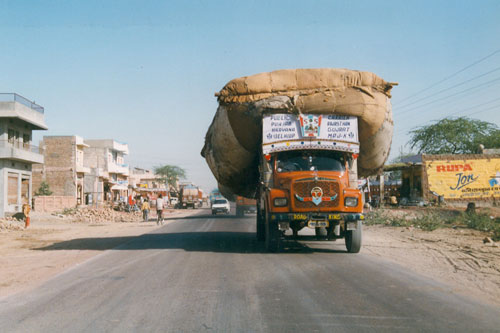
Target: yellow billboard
x=464, y=179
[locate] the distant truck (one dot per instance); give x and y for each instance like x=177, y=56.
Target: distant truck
x=215, y=194
x=245, y=205
x=188, y=197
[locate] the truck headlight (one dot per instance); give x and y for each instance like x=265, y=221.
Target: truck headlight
x=280, y=202
x=351, y=202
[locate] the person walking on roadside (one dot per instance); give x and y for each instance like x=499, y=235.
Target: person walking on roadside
x=159, y=209
x=26, y=213
x=145, y=210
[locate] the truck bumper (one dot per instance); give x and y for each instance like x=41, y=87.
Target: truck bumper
x=315, y=220
x=333, y=217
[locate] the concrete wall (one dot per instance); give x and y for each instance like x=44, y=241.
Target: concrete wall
x=21, y=171
x=51, y=203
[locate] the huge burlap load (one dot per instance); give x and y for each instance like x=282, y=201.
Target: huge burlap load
x=233, y=140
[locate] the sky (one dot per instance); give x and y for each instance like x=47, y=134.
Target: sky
x=145, y=72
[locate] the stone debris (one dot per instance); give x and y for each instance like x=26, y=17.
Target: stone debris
x=92, y=215
x=10, y=223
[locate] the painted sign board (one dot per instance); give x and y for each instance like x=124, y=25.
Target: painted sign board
x=464, y=179
x=283, y=131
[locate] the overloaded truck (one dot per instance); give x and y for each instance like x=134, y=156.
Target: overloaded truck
x=244, y=205
x=188, y=196
x=296, y=141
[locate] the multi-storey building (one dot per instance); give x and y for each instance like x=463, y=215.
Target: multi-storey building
x=64, y=169
x=18, y=118
x=107, y=156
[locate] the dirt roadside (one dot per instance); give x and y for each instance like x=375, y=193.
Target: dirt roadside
x=456, y=257
x=25, y=263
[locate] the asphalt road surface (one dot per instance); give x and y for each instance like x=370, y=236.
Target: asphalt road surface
x=204, y=273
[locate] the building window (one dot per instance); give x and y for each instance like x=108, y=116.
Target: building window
x=26, y=141
x=12, y=190
x=13, y=136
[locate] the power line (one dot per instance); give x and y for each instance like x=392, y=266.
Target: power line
x=449, y=88
x=452, y=75
x=468, y=114
x=471, y=108
x=452, y=95
x=474, y=107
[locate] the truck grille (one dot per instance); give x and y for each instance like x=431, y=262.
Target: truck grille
x=303, y=188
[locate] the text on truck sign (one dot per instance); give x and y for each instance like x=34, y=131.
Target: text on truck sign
x=309, y=131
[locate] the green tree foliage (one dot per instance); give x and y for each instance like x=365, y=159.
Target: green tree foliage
x=44, y=189
x=170, y=174
x=455, y=136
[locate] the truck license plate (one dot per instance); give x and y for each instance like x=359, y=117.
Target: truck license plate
x=315, y=224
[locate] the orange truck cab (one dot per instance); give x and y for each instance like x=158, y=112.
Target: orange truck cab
x=309, y=179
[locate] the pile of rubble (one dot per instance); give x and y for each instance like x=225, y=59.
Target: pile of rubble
x=92, y=215
x=10, y=223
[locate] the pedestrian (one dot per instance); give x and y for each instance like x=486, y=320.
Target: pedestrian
x=145, y=210
x=159, y=209
x=26, y=213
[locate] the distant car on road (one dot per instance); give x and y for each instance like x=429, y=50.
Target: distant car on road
x=220, y=206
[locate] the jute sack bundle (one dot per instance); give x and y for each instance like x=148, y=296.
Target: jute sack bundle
x=233, y=140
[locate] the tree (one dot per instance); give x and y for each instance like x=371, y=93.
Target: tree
x=455, y=136
x=170, y=174
x=44, y=189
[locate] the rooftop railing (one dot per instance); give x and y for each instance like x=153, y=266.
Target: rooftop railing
x=13, y=97
x=21, y=145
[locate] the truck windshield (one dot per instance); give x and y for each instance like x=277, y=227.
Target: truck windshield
x=310, y=161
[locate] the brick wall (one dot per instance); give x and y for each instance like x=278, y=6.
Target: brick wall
x=53, y=203
x=59, y=170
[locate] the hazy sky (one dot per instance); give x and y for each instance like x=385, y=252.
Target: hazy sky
x=145, y=72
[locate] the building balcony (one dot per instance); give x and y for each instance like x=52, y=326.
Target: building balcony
x=82, y=169
x=121, y=169
x=19, y=151
x=16, y=106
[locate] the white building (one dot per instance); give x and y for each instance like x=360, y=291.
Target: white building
x=18, y=118
x=107, y=156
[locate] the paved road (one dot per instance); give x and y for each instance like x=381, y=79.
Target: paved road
x=209, y=274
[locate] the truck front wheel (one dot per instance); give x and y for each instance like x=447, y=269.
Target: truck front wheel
x=353, y=239
x=273, y=236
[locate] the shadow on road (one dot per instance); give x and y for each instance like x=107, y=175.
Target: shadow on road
x=209, y=216
x=225, y=242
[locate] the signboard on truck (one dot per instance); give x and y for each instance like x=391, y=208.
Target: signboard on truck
x=465, y=179
x=283, y=131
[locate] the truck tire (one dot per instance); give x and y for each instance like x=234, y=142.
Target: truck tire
x=261, y=228
x=273, y=236
x=353, y=239
x=321, y=233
